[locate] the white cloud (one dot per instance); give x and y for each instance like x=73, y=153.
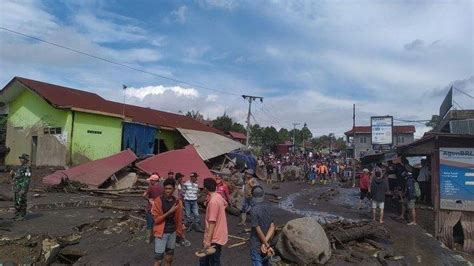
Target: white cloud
x=179, y=15
x=143, y=92
x=212, y=98
x=220, y=4
x=101, y=30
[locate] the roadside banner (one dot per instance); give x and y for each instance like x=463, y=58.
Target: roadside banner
x=381, y=128
x=456, y=177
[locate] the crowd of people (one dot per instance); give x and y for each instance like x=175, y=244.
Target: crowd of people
x=401, y=181
x=173, y=211
x=309, y=166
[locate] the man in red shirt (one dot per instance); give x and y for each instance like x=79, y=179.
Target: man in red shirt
x=153, y=191
x=364, y=186
x=215, y=234
x=222, y=188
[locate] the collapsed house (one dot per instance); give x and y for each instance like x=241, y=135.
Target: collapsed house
x=185, y=161
x=95, y=173
x=60, y=126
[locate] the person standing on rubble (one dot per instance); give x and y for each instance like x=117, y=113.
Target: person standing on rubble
x=190, y=195
x=168, y=216
x=153, y=191
x=216, y=233
x=21, y=183
x=250, y=182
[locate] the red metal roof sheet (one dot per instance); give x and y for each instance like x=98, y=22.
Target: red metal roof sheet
x=405, y=129
x=93, y=173
x=185, y=161
x=237, y=135
x=64, y=97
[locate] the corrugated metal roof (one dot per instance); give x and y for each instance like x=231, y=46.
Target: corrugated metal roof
x=93, y=173
x=184, y=161
x=209, y=145
x=396, y=130
x=237, y=135
x=64, y=97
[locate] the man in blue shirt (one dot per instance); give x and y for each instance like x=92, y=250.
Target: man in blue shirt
x=263, y=228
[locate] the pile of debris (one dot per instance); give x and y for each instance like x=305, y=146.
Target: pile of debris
x=46, y=249
x=360, y=242
x=33, y=249
x=304, y=241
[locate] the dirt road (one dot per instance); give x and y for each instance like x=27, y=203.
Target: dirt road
x=114, y=237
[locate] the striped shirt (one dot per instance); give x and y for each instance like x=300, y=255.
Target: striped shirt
x=190, y=190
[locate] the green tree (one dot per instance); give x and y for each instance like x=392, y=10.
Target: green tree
x=270, y=137
x=238, y=128
x=223, y=123
x=283, y=135
x=256, y=135
x=435, y=119
x=305, y=134
x=196, y=115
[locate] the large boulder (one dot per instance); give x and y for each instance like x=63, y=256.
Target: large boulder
x=303, y=241
x=291, y=173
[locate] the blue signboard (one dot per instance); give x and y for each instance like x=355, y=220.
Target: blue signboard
x=456, y=177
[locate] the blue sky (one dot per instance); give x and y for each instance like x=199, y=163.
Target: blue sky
x=311, y=60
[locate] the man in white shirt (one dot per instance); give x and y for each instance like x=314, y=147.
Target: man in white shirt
x=424, y=181
x=190, y=194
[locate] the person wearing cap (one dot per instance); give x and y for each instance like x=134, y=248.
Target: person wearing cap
x=364, y=186
x=21, y=183
x=222, y=188
x=409, y=198
x=263, y=228
x=153, y=191
x=191, y=208
x=250, y=182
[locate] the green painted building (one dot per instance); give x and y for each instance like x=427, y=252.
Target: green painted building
x=60, y=126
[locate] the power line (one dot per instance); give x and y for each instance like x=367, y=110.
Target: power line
x=458, y=104
x=117, y=63
x=465, y=93
x=411, y=121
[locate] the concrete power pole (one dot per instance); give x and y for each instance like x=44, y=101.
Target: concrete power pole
x=294, y=135
x=250, y=99
x=353, y=144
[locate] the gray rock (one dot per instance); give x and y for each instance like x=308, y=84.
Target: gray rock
x=304, y=242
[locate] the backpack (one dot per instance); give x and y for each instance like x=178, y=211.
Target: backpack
x=417, y=190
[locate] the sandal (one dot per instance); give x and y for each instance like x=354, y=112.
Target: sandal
x=205, y=252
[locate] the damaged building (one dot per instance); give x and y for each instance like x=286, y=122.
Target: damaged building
x=60, y=126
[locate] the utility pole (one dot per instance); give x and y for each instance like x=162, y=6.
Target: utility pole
x=353, y=144
x=294, y=135
x=250, y=99
x=124, y=87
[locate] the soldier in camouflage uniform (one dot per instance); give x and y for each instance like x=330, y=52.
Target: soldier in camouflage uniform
x=21, y=183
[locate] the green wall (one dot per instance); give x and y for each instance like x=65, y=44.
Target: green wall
x=28, y=115
x=172, y=139
x=90, y=145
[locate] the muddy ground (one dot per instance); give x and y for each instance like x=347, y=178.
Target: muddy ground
x=116, y=237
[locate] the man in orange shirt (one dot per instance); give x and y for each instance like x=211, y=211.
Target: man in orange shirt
x=215, y=234
x=168, y=215
x=323, y=172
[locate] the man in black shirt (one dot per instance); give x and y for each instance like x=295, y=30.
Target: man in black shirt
x=168, y=215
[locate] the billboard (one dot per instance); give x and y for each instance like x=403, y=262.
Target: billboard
x=456, y=178
x=381, y=129
x=447, y=104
